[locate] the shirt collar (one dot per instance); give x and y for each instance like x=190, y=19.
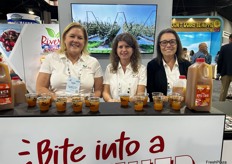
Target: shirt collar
x=62, y=56
x=83, y=57
x=127, y=67
x=165, y=64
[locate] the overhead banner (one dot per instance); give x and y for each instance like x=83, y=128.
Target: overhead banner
x=112, y=139
x=197, y=24
x=24, y=47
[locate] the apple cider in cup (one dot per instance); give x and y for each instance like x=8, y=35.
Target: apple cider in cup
x=77, y=102
x=157, y=100
x=176, y=101
x=145, y=97
x=43, y=103
x=49, y=96
x=124, y=98
x=138, y=103
x=61, y=102
x=87, y=98
x=31, y=99
x=94, y=104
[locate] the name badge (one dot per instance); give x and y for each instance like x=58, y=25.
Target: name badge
x=73, y=85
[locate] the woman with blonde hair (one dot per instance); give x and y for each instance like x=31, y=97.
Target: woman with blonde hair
x=71, y=69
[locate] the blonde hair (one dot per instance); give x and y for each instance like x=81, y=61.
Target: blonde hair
x=63, y=47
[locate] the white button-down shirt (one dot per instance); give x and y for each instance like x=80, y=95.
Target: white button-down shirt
x=172, y=75
x=121, y=82
x=60, y=67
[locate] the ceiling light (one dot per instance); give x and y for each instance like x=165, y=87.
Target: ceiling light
x=207, y=20
x=31, y=12
x=191, y=20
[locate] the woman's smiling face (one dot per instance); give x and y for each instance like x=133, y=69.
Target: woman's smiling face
x=124, y=51
x=74, y=41
x=168, y=45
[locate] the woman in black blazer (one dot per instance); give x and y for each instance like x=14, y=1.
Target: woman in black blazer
x=168, y=64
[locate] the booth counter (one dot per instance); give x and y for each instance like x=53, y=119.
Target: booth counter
x=113, y=135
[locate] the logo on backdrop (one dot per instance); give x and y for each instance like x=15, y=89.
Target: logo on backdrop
x=49, y=43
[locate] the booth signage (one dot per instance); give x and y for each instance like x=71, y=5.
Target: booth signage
x=112, y=139
x=196, y=30
x=196, y=24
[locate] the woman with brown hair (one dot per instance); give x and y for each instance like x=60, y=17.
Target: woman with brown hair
x=125, y=73
x=168, y=65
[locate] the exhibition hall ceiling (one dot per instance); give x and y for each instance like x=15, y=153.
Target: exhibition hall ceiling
x=195, y=7
x=23, y=6
x=180, y=7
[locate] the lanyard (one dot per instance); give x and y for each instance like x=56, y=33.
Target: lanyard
x=69, y=72
x=73, y=83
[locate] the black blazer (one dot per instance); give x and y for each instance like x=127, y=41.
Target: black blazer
x=224, y=66
x=156, y=76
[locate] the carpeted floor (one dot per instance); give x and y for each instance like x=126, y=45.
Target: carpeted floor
x=217, y=89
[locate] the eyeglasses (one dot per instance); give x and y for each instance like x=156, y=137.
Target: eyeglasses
x=164, y=43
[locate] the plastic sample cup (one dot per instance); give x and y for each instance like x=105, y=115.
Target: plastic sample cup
x=61, y=101
x=145, y=97
x=87, y=99
x=94, y=104
x=157, y=100
x=77, y=102
x=138, y=103
x=31, y=99
x=176, y=100
x=124, y=98
x=49, y=96
x=44, y=103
